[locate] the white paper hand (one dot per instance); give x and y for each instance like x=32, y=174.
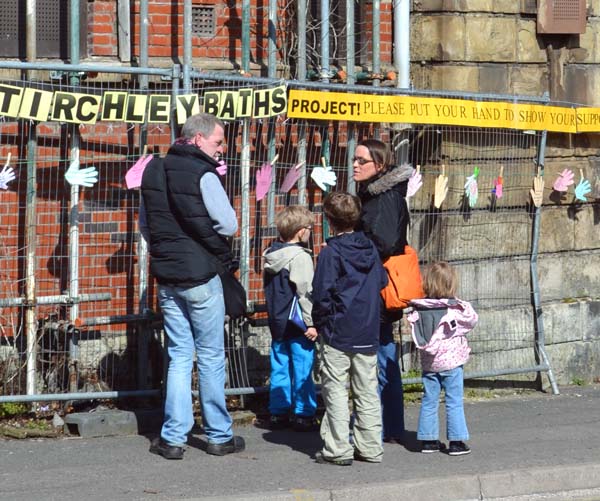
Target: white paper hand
x=324, y=177
x=414, y=183
x=7, y=174
x=83, y=177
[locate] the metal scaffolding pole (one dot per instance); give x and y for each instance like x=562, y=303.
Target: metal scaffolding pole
x=245, y=158
x=301, y=76
x=74, y=207
x=30, y=218
x=350, y=80
x=272, y=73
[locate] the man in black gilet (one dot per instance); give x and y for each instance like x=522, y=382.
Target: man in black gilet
x=187, y=217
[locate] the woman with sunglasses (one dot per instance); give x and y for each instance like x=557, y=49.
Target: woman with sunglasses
x=382, y=190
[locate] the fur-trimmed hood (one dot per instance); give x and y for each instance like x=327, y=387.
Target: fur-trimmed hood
x=389, y=179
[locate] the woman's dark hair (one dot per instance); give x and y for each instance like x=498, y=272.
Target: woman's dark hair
x=380, y=152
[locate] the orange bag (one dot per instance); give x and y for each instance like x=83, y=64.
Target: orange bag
x=404, y=280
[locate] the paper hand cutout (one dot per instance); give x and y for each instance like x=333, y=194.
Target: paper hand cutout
x=222, y=168
x=471, y=188
x=441, y=189
x=7, y=174
x=498, y=188
x=264, y=177
x=324, y=176
x=291, y=177
x=415, y=182
x=133, y=178
x=582, y=188
x=83, y=177
x=564, y=180
x=537, y=192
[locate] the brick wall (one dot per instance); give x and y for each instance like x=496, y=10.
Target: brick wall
x=102, y=28
x=165, y=31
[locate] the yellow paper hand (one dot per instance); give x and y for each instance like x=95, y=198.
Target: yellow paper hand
x=441, y=190
x=537, y=192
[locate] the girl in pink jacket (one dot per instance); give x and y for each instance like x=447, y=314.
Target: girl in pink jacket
x=439, y=327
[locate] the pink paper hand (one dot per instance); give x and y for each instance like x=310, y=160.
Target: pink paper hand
x=565, y=179
x=498, y=188
x=133, y=178
x=264, y=176
x=222, y=168
x=291, y=177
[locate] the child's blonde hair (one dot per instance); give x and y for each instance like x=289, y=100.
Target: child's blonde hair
x=440, y=281
x=292, y=219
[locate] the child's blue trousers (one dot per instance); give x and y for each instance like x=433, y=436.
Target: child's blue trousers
x=292, y=386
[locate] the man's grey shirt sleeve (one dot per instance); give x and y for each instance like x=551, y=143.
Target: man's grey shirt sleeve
x=217, y=204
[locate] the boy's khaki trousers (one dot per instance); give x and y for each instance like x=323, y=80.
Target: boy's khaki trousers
x=336, y=367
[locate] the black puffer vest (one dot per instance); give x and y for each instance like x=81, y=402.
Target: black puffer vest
x=183, y=242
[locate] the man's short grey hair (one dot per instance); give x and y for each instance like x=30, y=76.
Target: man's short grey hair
x=201, y=123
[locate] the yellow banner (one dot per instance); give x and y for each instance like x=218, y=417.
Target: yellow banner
x=72, y=107
x=588, y=119
x=318, y=105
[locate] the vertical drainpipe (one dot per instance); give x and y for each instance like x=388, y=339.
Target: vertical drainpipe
x=30, y=217
x=272, y=73
x=301, y=76
x=245, y=158
x=325, y=72
x=402, y=42
x=350, y=80
x=402, y=62
x=376, y=41
x=74, y=206
x=187, y=44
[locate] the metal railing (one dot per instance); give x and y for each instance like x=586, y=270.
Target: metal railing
x=78, y=312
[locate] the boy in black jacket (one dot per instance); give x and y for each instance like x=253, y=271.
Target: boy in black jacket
x=346, y=287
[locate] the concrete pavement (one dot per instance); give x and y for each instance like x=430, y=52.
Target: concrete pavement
x=537, y=446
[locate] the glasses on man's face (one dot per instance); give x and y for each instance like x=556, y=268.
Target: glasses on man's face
x=361, y=161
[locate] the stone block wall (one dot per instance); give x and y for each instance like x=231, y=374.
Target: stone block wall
x=492, y=46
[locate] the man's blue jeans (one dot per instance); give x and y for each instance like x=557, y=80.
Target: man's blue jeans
x=194, y=321
x=390, y=384
x=456, y=426
x=291, y=377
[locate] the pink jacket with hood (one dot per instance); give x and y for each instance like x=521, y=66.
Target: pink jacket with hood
x=439, y=328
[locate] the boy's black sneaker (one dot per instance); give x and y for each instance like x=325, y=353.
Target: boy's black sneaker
x=160, y=447
x=429, y=446
x=304, y=424
x=319, y=458
x=458, y=448
x=279, y=421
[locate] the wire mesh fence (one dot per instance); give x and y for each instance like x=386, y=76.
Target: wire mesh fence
x=94, y=326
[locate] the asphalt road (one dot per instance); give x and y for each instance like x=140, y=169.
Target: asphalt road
x=537, y=446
